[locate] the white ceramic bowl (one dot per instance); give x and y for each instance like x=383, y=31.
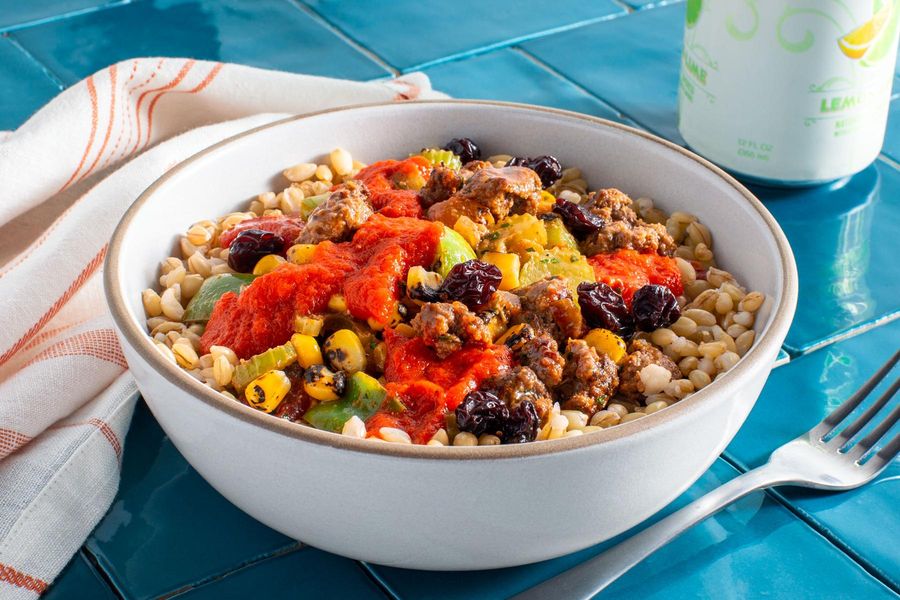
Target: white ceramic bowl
x=449, y=508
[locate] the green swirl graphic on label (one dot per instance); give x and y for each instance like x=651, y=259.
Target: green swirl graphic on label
x=744, y=35
x=808, y=39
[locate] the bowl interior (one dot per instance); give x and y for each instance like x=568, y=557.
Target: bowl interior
x=747, y=241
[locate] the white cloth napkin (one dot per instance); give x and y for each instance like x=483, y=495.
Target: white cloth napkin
x=66, y=397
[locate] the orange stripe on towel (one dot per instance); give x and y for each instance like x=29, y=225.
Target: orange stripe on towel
x=22, y=580
x=92, y=93
x=85, y=274
x=178, y=79
x=112, y=118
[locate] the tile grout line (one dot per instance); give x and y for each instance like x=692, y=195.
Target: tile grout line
x=548, y=67
x=802, y=516
x=40, y=65
x=289, y=549
x=65, y=15
x=100, y=572
x=514, y=41
x=345, y=37
x=382, y=586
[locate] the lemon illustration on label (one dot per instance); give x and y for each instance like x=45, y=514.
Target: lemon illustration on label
x=872, y=40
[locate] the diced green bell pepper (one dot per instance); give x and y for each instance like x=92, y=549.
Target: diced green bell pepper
x=201, y=305
x=362, y=398
x=452, y=250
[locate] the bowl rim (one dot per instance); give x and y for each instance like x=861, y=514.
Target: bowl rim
x=142, y=343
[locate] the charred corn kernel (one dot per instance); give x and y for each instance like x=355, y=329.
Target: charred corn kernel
x=547, y=202
x=301, y=254
x=308, y=325
x=337, y=303
x=469, y=230
x=345, y=351
x=267, y=391
x=323, y=384
x=606, y=342
x=267, y=264
x=422, y=284
x=516, y=335
x=509, y=265
x=308, y=351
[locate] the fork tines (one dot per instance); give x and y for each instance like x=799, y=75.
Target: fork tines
x=830, y=424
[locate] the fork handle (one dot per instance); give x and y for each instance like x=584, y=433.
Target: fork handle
x=590, y=577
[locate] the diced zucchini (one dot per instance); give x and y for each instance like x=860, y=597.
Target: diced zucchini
x=311, y=203
x=278, y=357
x=558, y=235
x=452, y=250
x=437, y=156
x=201, y=305
x=362, y=398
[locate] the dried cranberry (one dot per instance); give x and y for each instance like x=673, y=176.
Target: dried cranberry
x=251, y=245
x=522, y=424
x=579, y=221
x=602, y=306
x=546, y=167
x=654, y=306
x=464, y=148
x=482, y=412
x=472, y=283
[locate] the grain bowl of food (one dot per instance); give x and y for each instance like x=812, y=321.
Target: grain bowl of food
x=452, y=334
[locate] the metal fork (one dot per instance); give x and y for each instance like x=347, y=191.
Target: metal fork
x=826, y=458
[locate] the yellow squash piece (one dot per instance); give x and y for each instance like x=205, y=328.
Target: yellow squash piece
x=509, y=265
x=522, y=234
x=562, y=262
x=606, y=342
x=267, y=391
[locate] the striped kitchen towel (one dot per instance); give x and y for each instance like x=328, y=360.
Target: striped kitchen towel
x=66, y=397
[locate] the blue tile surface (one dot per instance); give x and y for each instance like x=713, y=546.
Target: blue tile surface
x=267, y=33
x=510, y=75
x=798, y=396
x=24, y=87
x=167, y=528
x=632, y=63
x=15, y=13
x=407, y=33
x=892, y=135
x=79, y=580
x=305, y=573
x=846, y=257
x=168, y=532
x=721, y=558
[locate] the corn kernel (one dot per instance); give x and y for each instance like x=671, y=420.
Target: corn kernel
x=267, y=391
x=301, y=254
x=345, y=351
x=308, y=351
x=606, y=342
x=509, y=265
x=516, y=335
x=267, y=264
x=420, y=282
x=323, y=384
x=308, y=325
x=547, y=202
x=337, y=303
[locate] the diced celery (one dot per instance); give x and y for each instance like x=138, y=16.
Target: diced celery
x=278, y=357
x=452, y=250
